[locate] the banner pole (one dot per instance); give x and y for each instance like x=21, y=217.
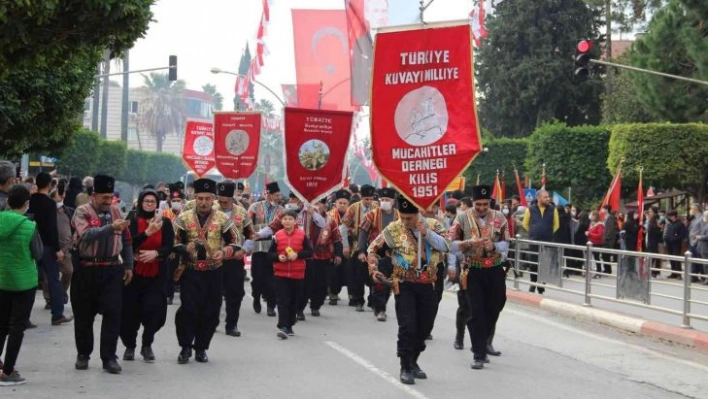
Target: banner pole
x=319, y=99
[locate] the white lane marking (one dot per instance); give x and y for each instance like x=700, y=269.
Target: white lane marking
x=367, y=365
x=587, y=334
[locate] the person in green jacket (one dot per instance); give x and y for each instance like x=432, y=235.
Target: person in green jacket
x=21, y=248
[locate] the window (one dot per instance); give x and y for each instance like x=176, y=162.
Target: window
x=134, y=107
x=132, y=132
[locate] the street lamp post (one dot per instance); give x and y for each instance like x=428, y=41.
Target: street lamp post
x=218, y=71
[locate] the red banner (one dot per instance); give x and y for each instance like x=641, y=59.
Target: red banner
x=316, y=143
x=322, y=55
x=237, y=137
x=198, y=150
x=424, y=129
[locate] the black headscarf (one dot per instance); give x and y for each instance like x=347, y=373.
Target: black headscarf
x=141, y=198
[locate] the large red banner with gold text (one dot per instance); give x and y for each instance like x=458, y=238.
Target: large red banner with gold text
x=424, y=129
x=316, y=143
x=237, y=137
x=198, y=150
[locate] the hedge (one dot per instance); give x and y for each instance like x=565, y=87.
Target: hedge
x=503, y=153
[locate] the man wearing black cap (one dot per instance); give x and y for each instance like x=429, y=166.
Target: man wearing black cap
x=338, y=273
x=374, y=223
x=204, y=237
x=103, y=262
x=234, y=266
x=262, y=214
x=480, y=239
x=353, y=219
x=412, y=279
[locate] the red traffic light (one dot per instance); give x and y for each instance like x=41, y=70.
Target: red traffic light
x=584, y=46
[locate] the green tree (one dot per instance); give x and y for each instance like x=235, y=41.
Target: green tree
x=49, y=51
x=161, y=107
x=574, y=156
x=672, y=155
x=502, y=155
x=76, y=158
x=271, y=146
x=622, y=105
x=112, y=156
x=243, y=66
x=524, y=72
x=218, y=98
x=676, y=44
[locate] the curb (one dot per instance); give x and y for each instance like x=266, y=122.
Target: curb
x=684, y=336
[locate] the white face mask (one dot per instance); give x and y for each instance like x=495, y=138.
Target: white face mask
x=386, y=206
x=292, y=207
x=176, y=206
x=60, y=204
x=573, y=213
x=273, y=203
x=505, y=211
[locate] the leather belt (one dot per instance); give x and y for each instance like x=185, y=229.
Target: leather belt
x=99, y=262
x=203, y=265
x=484, y=263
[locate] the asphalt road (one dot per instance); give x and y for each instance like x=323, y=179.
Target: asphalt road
x=345, y=354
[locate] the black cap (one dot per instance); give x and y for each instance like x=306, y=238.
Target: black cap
x=405, y=206
x=204, y=186
x=323, y=200
x=226, y=189
x=387, y=192
x=240, y=186
x=292, y=195
x=272, y=188
x=367, y=190
x=342, y=194
x=353, y=188
x=179, y=185
x=481, y=193
x=457, y=194
x=103, y=184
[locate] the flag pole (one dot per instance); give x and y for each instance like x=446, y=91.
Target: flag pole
x=319, y=98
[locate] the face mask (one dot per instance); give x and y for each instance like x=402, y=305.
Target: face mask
x=273, y=203
x=505, y=211
x=292, y=207
x=636, y=217
x=59, y=204
x=176, y=206
x=662, y=218
x=386, y=206
x=573, y=213
x=238, y=198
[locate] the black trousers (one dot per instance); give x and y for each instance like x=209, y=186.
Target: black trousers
x=144, y=302
x=97, y=290
x=289, y=291
x=262, y=279
x=315, y=284
x=438, y=288
x=415, y=311
x=198, y=315
x=15, y=310
x=337, y=277
x=233, y=291
x=486, y=296
x=462, y=316
x=50, y=265
x=380, y=293
x=357, y=278
x=674, y=248
x=171, y=267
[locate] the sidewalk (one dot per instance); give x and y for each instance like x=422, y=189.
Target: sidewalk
x=685, y=336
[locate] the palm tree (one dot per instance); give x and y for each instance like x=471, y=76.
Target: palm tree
x=162, y=106
x=218, y=98
x=266, y=107
x=271, y=147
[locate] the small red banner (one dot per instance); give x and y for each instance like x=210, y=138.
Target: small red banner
x=198, y=151
x=237, y=138
x=424, y=130
x=316, y=143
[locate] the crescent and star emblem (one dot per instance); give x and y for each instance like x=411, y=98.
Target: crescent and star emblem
x=330, y=31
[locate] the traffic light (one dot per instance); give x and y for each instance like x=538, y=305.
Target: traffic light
x=582, y=59
x=173, y=68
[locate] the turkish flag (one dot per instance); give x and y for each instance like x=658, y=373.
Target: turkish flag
x=198, y=150
x=322, y=55
x=316, y=143
x=424, y=129
x=237, y=136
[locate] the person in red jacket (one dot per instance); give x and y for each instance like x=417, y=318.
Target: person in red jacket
x=595, y=234
x=289, y=250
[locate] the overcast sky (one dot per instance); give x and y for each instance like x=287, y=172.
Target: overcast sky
x=213, y=33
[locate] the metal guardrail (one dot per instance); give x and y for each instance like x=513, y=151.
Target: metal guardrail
x=634, y=284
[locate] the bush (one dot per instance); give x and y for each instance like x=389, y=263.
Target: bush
x=80, y=157
x=112, y=158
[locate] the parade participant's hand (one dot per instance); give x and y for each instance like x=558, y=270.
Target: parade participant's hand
x=421, y=228
x=239, y=254
x=587, y=233
x=282, y=258
x=346, y=252
x=120, y=225
x=488, y=245
x=337, y=260
x=292, y=256
x=154, y=226
x=255, y=236
x=60, y=256
x=128, y=276
x=218, y=256
x=451, y=274
x=362, y=257
x=310, y=210
x=378, y=277
x=476, y=242
x=146, y=256
x=191, y=247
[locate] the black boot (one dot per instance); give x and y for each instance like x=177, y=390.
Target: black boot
x=459, y=340
x=129, y=354
x=407, y=376
x=490, y=348
x=184, y=355
x=112, y=366
x=147, y=353
x=82, y=362
x=415, y=368
x=257, y=305
x=200, y=355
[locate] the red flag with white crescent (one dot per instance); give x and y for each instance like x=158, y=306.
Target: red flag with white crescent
x=198, y=150
x=316, y=143
x=424, y=126
x=237, y=136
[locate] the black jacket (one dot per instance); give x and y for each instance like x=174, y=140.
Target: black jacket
x=44, y=212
